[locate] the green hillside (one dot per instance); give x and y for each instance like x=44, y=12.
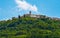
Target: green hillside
x=28, y=27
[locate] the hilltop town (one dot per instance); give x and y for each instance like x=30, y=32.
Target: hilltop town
x=38, y=16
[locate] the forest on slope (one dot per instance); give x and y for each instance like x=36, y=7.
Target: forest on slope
x=28, y=27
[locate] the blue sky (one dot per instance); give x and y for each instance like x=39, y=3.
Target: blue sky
x=13, y=8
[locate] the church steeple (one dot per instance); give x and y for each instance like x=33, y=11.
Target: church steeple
x=18, y=16
x=30, y=12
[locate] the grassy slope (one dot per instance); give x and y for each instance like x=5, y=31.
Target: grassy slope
x=27, y=27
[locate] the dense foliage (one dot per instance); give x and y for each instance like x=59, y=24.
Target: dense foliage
x=27, y=27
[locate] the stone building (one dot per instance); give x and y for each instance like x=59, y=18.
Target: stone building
x=32, y=15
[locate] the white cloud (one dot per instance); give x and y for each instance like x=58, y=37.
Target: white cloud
x=22, y=4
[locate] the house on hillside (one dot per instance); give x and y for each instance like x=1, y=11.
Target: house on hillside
x=54, y=18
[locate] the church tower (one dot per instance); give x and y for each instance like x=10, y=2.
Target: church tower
x=30, y=12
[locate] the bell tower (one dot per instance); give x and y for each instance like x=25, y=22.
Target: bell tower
x=30, y=12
